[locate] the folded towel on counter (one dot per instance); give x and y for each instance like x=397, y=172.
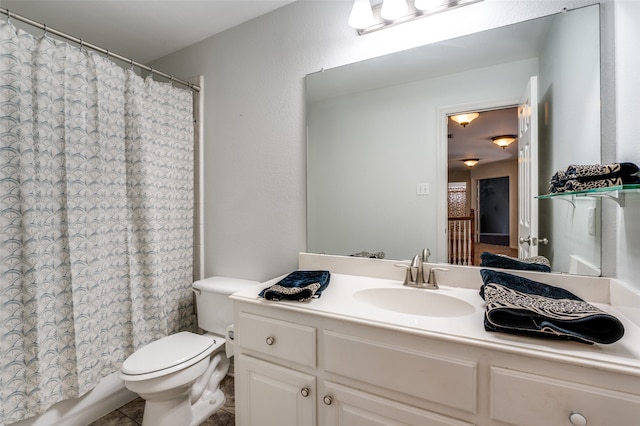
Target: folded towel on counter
x=378, y=255
x=517, y=305
x=298, y=285
x=536, y=263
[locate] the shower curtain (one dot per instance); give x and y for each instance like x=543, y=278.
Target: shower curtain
x=96, y=223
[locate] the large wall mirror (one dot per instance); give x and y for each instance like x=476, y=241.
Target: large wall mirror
x=378, y=138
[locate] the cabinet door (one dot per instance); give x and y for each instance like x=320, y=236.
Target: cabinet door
x=526, y=399
x=344, y=406
x=270, y=395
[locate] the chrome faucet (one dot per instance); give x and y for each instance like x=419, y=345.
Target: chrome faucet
x=415, y=272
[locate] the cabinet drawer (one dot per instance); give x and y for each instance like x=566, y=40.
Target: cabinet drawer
x=348, y=406
x=525, y=399
x=432, y=377
x=280, y=339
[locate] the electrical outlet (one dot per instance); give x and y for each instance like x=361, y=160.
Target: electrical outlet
x=422, y=188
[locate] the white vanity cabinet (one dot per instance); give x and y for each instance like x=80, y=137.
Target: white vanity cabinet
x=295, y=370
x=298, y=366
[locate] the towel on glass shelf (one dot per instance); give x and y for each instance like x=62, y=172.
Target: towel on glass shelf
x=536, y=263
x=517, y=305
x=600, y=171
x=298, y=285
x=594, y=176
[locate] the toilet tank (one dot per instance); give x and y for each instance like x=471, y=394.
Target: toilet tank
x=215, y=309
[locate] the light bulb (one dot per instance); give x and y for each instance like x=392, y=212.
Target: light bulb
x=427, y=5
x=393, y=9
x=361, y=15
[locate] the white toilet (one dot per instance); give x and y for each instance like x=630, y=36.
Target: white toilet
x=179, y=375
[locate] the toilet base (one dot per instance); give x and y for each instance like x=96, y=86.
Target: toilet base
x=189, y=404
x=206, y=406
x=179, y=411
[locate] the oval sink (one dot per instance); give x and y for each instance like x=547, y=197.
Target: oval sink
x=427, y=303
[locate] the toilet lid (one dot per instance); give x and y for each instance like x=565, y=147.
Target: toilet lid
x=181, y=349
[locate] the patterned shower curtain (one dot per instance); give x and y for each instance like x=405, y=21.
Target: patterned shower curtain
x=96, y=218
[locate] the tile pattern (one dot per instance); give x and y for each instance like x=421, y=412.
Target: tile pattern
x=131, y=414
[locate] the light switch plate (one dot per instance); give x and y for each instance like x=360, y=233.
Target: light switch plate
x=422, y=188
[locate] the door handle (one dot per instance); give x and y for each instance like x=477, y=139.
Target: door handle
x=523, y=240
x=533, y=240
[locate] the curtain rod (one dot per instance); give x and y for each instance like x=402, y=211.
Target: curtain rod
x=83, y=43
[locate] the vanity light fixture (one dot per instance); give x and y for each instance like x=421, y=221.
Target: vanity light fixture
x=465, y=119
x=361, y=14
x=393, y=9
x=504, y=140
x=470, y=162
x=372, y=15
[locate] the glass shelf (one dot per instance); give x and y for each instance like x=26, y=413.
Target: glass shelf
x=615, y=193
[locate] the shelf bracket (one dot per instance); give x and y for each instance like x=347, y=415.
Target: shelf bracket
x=617, y=196
x=568, y=200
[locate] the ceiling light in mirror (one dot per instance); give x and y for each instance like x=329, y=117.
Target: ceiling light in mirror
x=504, y=141
x=465, y=119
x=470, y=162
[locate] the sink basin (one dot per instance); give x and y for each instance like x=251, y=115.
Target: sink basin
x=428, y=303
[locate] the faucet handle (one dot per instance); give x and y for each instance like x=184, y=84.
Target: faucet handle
x=433, y=281
x=408, y=277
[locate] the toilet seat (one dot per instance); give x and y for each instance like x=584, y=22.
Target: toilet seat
x=168, y=354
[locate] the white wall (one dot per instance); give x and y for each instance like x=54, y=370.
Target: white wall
x=627, y=14
x=369, y=151
x=255, y=197
x=570, y=45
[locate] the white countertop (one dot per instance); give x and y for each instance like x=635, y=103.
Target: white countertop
x=337, y=301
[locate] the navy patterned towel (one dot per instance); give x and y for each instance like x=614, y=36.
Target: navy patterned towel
x=521, y=306
x=502, y=261
x=298, y=285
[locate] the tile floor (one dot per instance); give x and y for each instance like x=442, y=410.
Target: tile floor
x=131, y=413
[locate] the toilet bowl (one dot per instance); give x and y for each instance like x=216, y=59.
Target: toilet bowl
x=179, y=376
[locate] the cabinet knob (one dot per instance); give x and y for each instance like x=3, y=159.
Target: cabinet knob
x=270, y=340
x=328, y=399
x=304, y=392
x=577, y=419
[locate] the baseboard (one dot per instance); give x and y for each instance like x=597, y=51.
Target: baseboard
x=109, y=395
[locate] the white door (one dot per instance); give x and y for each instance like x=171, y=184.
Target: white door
x=528, y=171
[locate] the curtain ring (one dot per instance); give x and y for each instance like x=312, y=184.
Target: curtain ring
x=81, y=45
x=131, y=63
x=9, y=16
x=45, y=30
x=108, y=53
